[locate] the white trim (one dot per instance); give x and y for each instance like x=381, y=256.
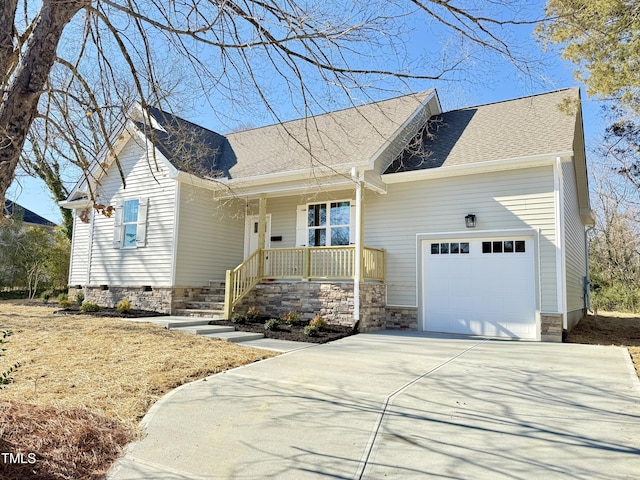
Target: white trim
x=474, y=168
x=358, y=244
x=418, y=111
x=76, y=204
x=175, y=240
x=248, y=219
x=90, y=249
x=474, y=234
x=561, y=271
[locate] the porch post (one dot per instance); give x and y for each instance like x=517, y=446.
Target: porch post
x=262, y=232
x=359, y=237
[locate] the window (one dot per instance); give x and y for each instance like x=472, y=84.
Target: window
x=328, y=224
x=452, y=248
x=130, y=226
x=130, y=223
x=507, y=246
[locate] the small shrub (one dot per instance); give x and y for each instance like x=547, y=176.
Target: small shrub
x=63, y=296
x=311, y=331
x=239, y=319
x=253, y=312
x=319, y=323
x=80, y=297
x=89, y=307
x=272, y=324
x=291, y=318
x=46, y=295
x=124, y=306
x=65, y=303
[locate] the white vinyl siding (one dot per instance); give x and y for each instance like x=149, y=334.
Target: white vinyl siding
x=135, y=266
x=79, y=251
x=501, y=200
x=575, y=247
x=210, y=237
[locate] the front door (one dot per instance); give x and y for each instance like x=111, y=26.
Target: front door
x=251, y=234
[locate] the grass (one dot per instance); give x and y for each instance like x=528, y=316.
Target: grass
x=84, y=384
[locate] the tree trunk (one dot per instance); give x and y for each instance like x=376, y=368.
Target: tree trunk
x=20, y=104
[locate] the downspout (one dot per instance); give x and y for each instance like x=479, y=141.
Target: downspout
x=587, y=277
x=357, y=277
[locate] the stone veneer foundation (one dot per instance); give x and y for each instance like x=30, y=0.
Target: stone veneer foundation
x=333, y=301
x=156, y=299
x=551, y=327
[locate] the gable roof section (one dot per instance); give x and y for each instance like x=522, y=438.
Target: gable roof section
x=331, y=140
x=519, y=128
x=189, y=147
x=29, y=217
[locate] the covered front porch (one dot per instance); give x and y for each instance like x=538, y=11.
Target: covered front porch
x=327, y=227
x=303, y=264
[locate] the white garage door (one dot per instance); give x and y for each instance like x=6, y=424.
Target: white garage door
x=479, y=287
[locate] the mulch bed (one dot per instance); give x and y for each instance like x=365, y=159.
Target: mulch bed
x=110, y=313
x=289, y=332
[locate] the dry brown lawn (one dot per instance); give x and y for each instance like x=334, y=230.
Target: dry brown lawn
x=85, y=382
x=610, y=328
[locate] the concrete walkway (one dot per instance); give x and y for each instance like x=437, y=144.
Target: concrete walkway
x=393, y=405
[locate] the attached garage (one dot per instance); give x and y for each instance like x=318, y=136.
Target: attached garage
x=479, y=286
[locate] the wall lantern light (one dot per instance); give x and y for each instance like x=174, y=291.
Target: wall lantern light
x=470, y=220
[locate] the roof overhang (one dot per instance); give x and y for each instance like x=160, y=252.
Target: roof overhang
x=475, y=168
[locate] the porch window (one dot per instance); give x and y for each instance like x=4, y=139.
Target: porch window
x=328, y=223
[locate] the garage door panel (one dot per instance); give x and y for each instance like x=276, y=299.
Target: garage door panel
x=488, y=291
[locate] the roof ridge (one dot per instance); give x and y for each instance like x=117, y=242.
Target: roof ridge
x=513, y=99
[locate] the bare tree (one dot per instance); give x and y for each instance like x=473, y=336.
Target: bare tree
x=62, y=62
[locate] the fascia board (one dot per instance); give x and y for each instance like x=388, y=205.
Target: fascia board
x=370, y=165
x=474, y=168
x=75, y=204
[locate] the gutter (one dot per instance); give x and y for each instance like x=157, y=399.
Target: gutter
x=473, y=168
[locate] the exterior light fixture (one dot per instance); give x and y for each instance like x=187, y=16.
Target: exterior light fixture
x=470, y=220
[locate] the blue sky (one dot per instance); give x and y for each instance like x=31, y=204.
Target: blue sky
x=483, y=79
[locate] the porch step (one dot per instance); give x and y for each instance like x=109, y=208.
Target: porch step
x=178, y=322
x=201, y=313
x=235, y=337
x=206, y=329
x=205, y=305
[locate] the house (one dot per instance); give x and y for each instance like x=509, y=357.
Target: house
x=392, y=214
x=29, y=218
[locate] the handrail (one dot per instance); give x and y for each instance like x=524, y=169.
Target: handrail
x=337, y=262
x=240, y=281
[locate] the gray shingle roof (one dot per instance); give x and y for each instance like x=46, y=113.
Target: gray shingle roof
x=342, y=137
x=511, y=129
x=189, y=147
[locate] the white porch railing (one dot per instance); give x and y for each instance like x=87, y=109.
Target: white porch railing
x=300, y=263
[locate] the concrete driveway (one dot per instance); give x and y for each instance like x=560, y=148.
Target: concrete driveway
x=394, y=405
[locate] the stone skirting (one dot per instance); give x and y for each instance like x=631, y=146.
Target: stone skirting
x=551, y=327
x=372, y=307
x=333, y=301
x=402, y=318
x=154, y=299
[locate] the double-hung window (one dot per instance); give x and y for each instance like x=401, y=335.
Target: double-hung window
x=130, y=223
x=328, y=223
x=130, y=226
